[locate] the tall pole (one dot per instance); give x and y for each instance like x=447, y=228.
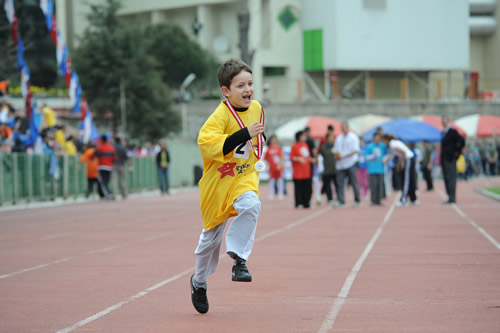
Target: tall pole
x=123, y=109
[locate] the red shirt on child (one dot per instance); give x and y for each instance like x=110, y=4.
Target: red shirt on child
x=274, y=156
x=301, y=170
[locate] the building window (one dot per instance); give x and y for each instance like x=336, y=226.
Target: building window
x=274, y=71
x=313, y=50
x=374, y=4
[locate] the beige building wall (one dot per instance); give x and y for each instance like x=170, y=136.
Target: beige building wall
x=274, y=46
x=491, y=51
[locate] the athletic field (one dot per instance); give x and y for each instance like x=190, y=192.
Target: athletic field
x=124, y=266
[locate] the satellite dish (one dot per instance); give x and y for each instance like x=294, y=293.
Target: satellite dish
x=221, y=44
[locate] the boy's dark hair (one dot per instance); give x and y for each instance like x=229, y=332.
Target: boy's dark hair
x=228, y=70
x=298, y=135
x=104, y=138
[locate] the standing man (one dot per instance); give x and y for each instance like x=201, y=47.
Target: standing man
x=427, y=163
x=452, y=144
x=106, y=155
x=346, y=151
x=119, y=167
x=330, y=170
x=162, y=163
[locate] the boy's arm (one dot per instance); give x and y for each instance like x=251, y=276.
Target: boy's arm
x=235, y=139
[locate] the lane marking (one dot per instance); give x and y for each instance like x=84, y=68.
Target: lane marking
x=178, y=276
x=344, y=292
x=481, y=230
x=35, y=267
x=293, y=225
x=102, y=250
x=122, y=303
x=55, y=236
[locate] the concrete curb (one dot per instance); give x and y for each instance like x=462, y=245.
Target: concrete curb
x=488, y=194
x=80, y=200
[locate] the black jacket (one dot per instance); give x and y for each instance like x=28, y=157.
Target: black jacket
x=452, y=144
x=158, y=158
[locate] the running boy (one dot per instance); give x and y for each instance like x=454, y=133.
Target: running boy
x=231, y=142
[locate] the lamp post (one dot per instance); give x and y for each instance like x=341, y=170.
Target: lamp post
x=185, y=98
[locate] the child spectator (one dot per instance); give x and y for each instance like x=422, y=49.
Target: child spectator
x=301, y=164
x=274, y=157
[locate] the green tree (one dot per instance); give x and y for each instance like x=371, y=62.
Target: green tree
x=177, y=54
x=112, y=53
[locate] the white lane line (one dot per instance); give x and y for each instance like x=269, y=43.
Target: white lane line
x=35, y=267
x=106, y=249
x=293, y=225
x=176, y=277
x=55, y=236
x=342, y=296
x=122, y=303
x=481, y=230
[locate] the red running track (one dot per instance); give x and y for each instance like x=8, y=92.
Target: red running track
x=124, y=266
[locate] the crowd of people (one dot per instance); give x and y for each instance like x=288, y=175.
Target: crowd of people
x=108, y=156
x=374, y=169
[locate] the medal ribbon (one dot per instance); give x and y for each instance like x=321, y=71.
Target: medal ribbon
x=260, y=139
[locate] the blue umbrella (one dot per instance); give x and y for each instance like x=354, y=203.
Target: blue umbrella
x=407, y=130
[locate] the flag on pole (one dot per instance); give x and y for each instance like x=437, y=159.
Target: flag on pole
x=25, y=77
x=47, y=9
x=8, y=6
x=75, y=92
x=20, y=54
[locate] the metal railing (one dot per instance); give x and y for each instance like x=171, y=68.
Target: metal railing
x=27, y=177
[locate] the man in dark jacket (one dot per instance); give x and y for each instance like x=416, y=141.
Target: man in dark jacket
x=452, y=145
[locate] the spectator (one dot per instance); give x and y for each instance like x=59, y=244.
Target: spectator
x=274, y=157
x=300, y=155
x=19, y=146
x=452, y=145
x=329, y=168
x=69, y=146
x=374, y=154
x=427, y=163
x=492, y=156
x=88, y=157
x=314, y=166
x=106, y=155
x=362, y=170
x=406, y=162
x=346, y=151
x=163, y=163
x=49, y=117
x=119, y=167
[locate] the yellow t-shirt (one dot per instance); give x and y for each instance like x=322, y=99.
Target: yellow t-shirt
x=227, y=177
x=50, y=117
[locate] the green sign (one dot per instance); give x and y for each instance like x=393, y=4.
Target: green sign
x=287, y=18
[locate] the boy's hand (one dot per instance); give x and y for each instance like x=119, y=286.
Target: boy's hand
x=255, y=129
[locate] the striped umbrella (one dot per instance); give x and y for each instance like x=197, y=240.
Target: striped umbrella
x=363, y=123
x=436, y=122
x=480, y=125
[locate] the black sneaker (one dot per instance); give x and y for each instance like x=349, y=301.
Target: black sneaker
x=240, y=271
x=199, y=297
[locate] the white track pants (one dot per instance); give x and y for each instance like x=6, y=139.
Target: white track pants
x=239, y=238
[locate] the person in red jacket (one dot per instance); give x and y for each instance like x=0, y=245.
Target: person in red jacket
x=106, y=155
x=300, y=156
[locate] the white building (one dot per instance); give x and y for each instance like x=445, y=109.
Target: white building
x=325, y=49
